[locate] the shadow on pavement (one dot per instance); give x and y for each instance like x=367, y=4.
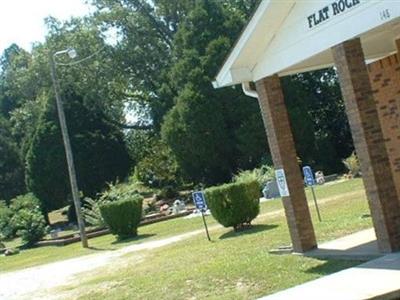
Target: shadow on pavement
x=363, y=252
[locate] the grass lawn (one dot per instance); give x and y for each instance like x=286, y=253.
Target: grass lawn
x=339, y=218
x=233, y=265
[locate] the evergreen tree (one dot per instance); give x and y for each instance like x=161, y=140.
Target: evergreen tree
x=11, y=168
x=319, y=121
x=207, y=129
x=98, y=147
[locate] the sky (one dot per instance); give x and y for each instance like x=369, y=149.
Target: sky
x=22, y=21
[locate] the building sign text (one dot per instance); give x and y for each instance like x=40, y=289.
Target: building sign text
x=331, y=10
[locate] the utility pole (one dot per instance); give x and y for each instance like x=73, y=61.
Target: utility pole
x=68, y=150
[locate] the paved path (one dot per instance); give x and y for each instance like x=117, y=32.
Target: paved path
x=377, y=279
x=27, y=283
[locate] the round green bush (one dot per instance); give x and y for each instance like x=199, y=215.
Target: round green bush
x=235, y=204
x=123, y=216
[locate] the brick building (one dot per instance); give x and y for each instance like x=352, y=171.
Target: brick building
x=359, y=38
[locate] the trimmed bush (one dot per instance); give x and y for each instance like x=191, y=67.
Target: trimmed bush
x=235, y=204
x=115, y=192
x=123, y=216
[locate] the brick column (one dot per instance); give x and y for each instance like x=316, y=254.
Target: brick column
x=369, y=143
x=384, y=76
x=280, y=139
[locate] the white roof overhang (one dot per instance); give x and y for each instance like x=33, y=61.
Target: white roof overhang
x=283, y=38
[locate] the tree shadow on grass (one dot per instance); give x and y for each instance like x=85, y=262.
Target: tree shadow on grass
x=333, y=266
x=100, y=249
x=254, y=229
x=133, y=239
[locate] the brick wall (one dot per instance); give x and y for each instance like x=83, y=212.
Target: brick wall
x=385, y=82
x=369, y=141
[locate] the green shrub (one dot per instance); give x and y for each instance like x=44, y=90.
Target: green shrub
x=6, y=229
x=91, y=212
x=123, y=216
x=28, y=201
x=30, y=224
x=117, y=192
x=262, y=175
x=235, y=204
x=9, y=225
x=149, y=206
x=352, y=164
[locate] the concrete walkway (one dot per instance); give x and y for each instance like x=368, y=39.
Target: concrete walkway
x=377, y=279
x=361, y=245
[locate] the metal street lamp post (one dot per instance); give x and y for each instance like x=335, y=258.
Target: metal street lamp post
x=67, y=144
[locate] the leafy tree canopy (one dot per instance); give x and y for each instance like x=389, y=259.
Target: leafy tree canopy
x=206, y=127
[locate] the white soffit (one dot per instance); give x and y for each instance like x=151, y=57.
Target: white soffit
x=282, y=37
x=253, y=41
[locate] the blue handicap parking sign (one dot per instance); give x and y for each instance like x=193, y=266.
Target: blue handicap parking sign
x=199, y=200
x=308, y=176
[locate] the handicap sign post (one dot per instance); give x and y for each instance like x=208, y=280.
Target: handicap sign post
x=310, y=181
x=308, y=176
x=199, y=200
